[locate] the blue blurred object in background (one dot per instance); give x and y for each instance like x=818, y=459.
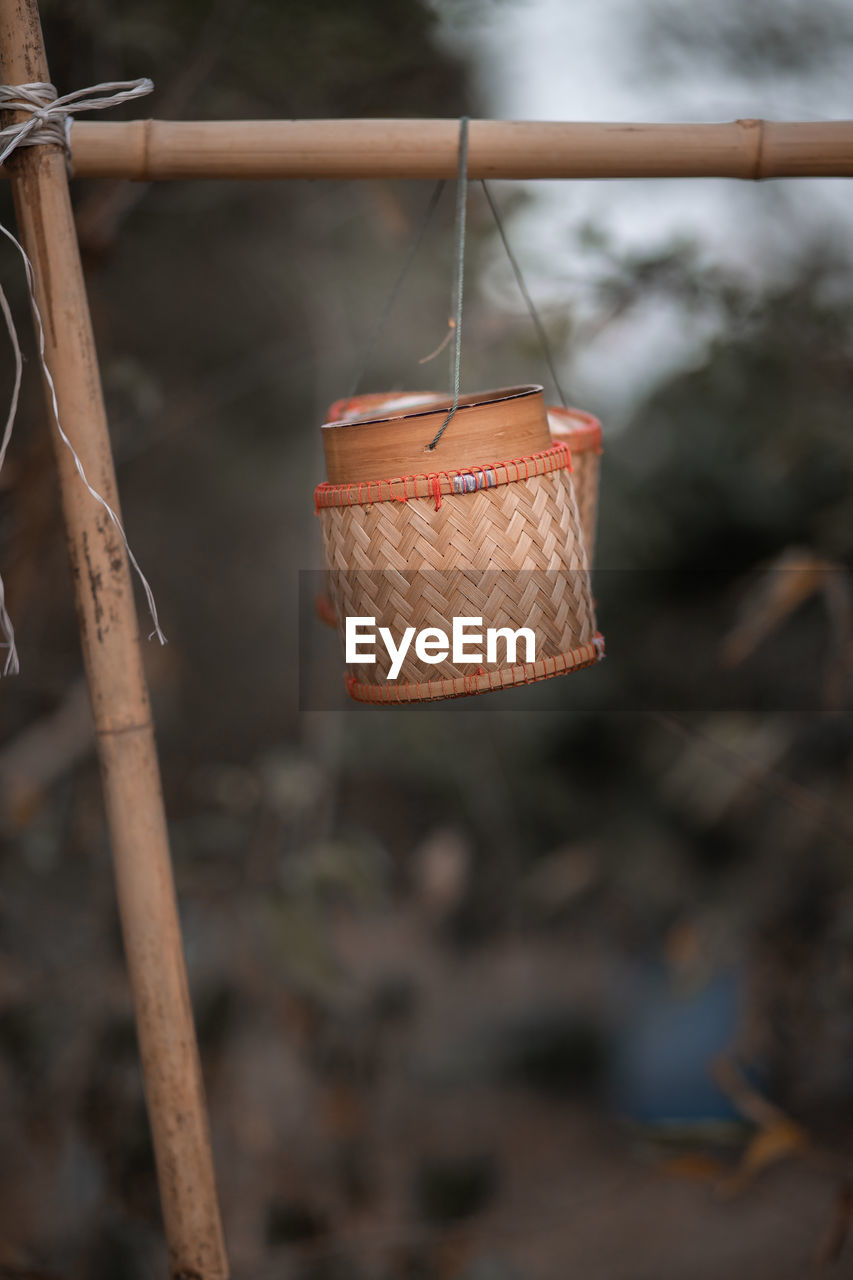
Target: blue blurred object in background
x=664, y=1052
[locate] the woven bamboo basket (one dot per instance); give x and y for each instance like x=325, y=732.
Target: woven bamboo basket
x=494, y=534
x=579, y=430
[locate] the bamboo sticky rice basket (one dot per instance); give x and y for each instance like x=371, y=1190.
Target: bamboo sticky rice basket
x=493, y=534
x=579, y=430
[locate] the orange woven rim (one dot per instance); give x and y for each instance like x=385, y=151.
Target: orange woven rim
x=353, y=406
x=580, y=431
x=586, y=439
x=585, y=655
x=438, y=484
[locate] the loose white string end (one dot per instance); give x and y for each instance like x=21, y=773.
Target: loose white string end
x=49, y=121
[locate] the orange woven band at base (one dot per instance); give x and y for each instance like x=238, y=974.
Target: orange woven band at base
x=585, y=655
x=438, y=484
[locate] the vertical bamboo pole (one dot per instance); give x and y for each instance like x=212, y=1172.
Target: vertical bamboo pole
x=125, y=736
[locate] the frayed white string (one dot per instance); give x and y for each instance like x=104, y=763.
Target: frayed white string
x=49, y=122
x=11, y=666
x=49, y=117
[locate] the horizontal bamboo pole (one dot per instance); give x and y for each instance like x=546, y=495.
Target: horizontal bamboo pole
x=150, y=150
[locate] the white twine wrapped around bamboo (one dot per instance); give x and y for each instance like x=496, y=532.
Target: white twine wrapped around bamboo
x=48, y=122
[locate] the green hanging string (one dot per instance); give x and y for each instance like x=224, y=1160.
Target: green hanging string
x=461, y=212
x=458, y=285
x=531, y=306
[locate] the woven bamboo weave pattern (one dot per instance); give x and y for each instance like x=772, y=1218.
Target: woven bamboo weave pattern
x=582, y=433
x=513, y=554
x=579, y=431
x=586, y=467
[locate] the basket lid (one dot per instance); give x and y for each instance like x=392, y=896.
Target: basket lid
x=488, y=426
